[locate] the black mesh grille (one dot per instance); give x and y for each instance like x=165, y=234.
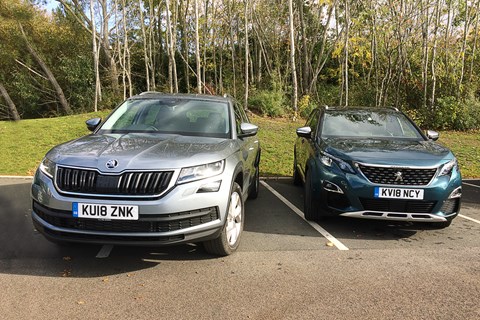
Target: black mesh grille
x=450, y=206
x=337, y=200
x=146, y=223
x=398, y=176
x=128, y=183
x=394, y=205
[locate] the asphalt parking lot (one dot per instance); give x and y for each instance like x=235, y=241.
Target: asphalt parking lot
x=286, y=268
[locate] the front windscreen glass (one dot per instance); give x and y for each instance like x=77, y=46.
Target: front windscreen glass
x=367, y=124
x=175, y=116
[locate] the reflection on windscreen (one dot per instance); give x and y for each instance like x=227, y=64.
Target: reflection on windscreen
x=368, y=124
x=180, y=116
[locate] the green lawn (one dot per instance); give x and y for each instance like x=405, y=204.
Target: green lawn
x=24, y=143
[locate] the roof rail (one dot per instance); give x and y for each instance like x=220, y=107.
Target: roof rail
x=149, y=92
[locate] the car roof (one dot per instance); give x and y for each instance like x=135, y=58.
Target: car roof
x=186, y=96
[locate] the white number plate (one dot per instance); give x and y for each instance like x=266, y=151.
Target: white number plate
x=105, y=211
x=398, y=193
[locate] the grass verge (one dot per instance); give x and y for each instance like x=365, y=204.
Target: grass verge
x=24, y=143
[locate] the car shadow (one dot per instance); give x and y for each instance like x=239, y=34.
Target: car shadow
x=25, y=251
x=340, y=227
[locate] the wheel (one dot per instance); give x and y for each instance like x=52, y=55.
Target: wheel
x=254, y=187
x=311, y=207
x=296, y=177
x=229, y=238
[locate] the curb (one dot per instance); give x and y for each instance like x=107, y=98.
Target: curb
x=17, y=177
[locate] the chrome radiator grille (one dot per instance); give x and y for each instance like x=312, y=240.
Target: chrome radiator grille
x=398, y=176
x=83, y=181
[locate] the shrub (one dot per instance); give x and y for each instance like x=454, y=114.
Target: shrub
x=268, y=102
x=305, y=106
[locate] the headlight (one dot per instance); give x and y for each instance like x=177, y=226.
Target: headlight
x=201, y=172
x=47, y=166
x=448, y=167
x=328, y=159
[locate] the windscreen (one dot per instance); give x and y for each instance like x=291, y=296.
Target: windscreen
x=366, y=124
x=175, y=116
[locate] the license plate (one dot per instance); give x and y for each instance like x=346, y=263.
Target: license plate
x=105, y=211
x=398, y=193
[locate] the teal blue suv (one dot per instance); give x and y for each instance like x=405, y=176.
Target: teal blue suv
x=375, y=163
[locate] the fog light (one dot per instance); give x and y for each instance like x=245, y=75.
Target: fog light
x=332, y=187
x=210, y=187
x=457, y=193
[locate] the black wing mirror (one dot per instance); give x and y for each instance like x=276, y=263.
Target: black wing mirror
x=92, y=124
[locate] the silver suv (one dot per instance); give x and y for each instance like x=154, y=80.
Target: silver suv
x=161, y=169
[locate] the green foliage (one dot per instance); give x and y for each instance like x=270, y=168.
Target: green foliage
x=305, y=106
x=269, y=102
x=457, y=115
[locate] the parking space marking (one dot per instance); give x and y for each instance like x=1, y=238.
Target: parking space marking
x=316, y=226
x=104, y=251
x=470, y=184
x=468, y=218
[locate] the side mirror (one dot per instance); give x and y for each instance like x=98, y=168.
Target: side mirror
x=92, y=124
x=432, y=135
x=304, y=132
x=248, y=129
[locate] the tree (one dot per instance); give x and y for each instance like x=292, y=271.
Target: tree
x=292, y=56
x=13, y=113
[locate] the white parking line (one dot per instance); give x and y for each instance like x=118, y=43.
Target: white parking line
x=316, y=226
x=470, y=184
x=104, y=251
x=468, y=218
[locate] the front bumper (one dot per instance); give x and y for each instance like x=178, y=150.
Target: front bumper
x=182, y=215
x=351, y=195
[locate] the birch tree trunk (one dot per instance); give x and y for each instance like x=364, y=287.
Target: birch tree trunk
x=197, y=51
x=292, y=57
x=184, y=35
x=96, y=55
x=11, y=106
x=172, y=65
x=475, y=38
x=58, y=90
x=434, y=53
x=145, y=44
x=464, y=45
x=232, y=47
x=347, y=31
x=105, y=36
x=247, y=49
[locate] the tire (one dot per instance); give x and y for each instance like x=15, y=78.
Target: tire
x=311, y=205
x=296, y=176
x=229, y=239
x=255, y=186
